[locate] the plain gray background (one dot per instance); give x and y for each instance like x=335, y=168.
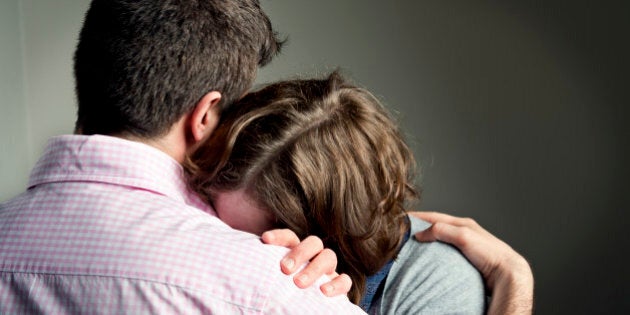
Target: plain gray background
x=516, y=111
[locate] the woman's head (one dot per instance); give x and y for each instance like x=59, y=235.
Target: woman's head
x=321, y=157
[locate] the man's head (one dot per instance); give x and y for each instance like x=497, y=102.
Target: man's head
x=142, y=65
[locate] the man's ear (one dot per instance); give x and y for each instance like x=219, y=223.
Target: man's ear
x=205, y=116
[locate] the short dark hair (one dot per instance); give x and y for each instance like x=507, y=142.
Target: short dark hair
x=142, y=64
x=325, y=158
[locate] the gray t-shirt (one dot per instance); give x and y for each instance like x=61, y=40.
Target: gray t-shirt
x=430, y=278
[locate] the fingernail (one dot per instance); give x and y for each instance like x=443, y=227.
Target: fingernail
x=302, y=279
x=328, y=289
x=269, y=236
x=288, y=263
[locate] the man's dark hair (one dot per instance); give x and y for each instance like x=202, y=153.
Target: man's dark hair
x=140, y=65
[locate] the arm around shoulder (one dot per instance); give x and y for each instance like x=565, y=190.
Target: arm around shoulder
x=506, y=273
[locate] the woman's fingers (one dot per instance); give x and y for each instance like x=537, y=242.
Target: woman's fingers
x=433, y=217
x=339, y=285
x=320, y=261
x=324, y=263
x=281, y=237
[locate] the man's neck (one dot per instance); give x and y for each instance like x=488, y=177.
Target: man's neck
x=167, y=144
x=173, y=143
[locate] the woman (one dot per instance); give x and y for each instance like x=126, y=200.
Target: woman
x=323, y=157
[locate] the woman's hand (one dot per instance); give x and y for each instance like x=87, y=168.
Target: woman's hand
x=321, y=261
x=506, y=273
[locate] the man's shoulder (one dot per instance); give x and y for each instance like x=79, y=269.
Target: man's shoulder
x=117, y=234
x=121, y=232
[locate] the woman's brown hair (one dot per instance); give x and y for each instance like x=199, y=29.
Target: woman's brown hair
x=325, y=158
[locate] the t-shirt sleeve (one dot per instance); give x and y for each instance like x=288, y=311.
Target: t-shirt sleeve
x=431, y=278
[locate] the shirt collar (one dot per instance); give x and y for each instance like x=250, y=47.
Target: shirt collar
x=113, y=160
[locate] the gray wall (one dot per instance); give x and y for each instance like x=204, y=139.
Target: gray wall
x=37, y=39
x=14, y=140
x=516, y=112
x=50, y=34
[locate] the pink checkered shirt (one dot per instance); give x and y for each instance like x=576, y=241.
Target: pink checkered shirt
x=107, y=226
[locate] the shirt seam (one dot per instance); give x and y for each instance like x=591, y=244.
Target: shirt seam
x=138, y=280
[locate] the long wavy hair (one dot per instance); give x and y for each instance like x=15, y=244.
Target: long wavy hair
x=326, y=159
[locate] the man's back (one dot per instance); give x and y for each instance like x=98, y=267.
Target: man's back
x=108, y=226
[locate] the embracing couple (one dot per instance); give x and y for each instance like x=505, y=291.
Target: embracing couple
x=176, y=176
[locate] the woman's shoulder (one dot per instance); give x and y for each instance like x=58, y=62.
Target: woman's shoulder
x=432, y=253
x=432, y=278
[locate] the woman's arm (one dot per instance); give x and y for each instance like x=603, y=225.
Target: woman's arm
x=506, y=273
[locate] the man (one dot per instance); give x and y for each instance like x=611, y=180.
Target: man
x=107, y=224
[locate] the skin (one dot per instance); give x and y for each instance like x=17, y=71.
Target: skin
x=321, y=261
x=240, y=212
